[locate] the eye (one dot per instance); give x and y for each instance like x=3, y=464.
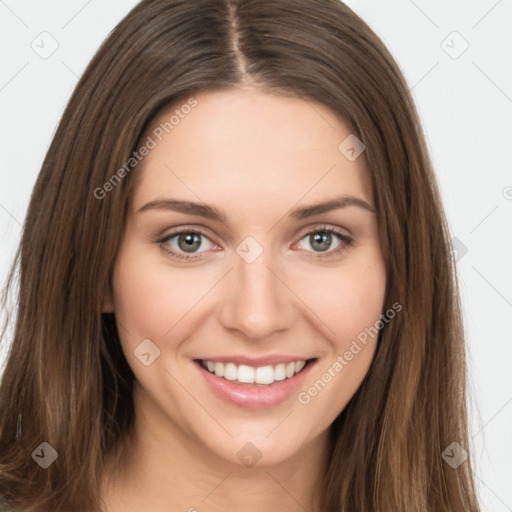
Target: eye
x=321, y=241
x=183, y=245
x=186, y=244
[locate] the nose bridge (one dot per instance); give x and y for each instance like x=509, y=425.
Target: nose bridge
x=256, y=302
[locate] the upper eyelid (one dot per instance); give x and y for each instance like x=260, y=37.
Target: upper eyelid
x=203, y=231
x=322, y=226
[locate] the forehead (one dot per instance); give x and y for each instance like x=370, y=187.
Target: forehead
x=246, y=147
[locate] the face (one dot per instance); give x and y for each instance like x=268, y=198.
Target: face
x=238, y=303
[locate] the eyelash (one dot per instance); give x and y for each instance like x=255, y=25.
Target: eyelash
x=346, y=242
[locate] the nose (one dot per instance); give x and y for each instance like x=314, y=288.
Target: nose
x=257, y=301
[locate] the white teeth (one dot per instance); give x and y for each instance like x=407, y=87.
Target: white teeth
x=219, y=369
x=263, y=375
x=246, y=374
x=299, y=365
x=280, y=372
x=230, y=371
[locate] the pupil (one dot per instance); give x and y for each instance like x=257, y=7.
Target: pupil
x=324, y=239
x=192, y=242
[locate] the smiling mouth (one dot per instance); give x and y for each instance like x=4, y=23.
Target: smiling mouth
x=256, y=376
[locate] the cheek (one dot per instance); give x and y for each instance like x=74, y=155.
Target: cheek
x=150, y=299
x=349, y=309
x=345, y=302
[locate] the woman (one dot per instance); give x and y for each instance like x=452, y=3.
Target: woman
x=236, y=285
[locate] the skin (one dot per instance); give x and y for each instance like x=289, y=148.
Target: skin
x=253, y=156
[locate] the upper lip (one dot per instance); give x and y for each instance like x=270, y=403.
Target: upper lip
x=270, y=360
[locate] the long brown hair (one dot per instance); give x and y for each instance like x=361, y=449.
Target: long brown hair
x=66, y=381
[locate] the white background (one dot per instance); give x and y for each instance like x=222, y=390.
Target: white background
x=466, y=107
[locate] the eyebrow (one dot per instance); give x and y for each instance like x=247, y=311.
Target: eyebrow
x=203, y=210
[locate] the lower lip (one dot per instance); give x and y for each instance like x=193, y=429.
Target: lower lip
x=255, y=397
